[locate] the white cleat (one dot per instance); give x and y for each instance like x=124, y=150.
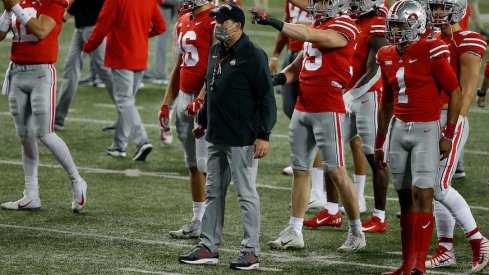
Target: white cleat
x=354, y=243
x=316, y=203
x=166, y=136
x=25, y=203
x=187, y=231
x=79, y=194
x=288, y=171
x=289, y=238
x=442, y=258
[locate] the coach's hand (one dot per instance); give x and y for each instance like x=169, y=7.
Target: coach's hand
x=260, y=148
x=194, y=106
x=445, y=148
x=198, y=131
x=262, y=18
x=164, y=117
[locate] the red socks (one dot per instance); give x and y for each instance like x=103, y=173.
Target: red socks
x=423, y=231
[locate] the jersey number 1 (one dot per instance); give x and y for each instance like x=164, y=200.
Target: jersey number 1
x=402, y=97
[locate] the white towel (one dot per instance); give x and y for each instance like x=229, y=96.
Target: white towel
x=6, y=81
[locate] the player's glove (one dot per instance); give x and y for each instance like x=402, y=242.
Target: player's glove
x=279, y=79
x=164, y=117
x=194, y=106
x=262, y=18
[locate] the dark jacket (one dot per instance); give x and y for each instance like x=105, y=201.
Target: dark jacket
x=239, y=104
x=85, y=12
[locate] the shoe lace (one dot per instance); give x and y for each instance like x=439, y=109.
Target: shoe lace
x=289, y=231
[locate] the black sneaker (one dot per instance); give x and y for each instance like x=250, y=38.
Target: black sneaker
x=142, y=152
x=200, y=255
x=246, y=261
x=109, y=128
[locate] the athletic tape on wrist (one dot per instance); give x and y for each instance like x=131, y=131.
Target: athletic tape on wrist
x=5, y=21
x=21, y=14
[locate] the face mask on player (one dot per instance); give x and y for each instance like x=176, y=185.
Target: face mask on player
x=221, y=33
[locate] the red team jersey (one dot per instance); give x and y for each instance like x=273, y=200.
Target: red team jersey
x=194, y=42
x=414, y=80
x=26, y=47
x=369, y=27
x=460, y=43
x=295, y=15
x=326, y=72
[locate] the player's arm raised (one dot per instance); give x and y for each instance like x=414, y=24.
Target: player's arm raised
x=40, y=27
x=323, y=38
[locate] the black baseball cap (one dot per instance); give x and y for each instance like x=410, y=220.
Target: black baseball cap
x=229, y=11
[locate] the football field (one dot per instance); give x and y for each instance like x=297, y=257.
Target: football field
x=133, y=205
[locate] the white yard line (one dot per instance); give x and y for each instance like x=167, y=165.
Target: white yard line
x=279, y=257
x=171, y=175
x=135, y=270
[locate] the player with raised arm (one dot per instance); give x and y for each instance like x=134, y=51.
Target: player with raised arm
x=414, y=71
x=30, y=83
x=323, y=70
x=195, y=36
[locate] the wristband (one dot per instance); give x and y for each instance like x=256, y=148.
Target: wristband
x=379, y=141
x=479, y=94
x=279, y=79
x=273, y=58
x=5, y=21
x=450, y=131
x=21, y=14
x=277, y=24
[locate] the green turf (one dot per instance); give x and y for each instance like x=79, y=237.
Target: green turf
x=124, y=228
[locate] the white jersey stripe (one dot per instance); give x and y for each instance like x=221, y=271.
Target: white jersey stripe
x=346, y=23
x=439, y=47
x=344, y=27
x=472, y=44
x=439, y=53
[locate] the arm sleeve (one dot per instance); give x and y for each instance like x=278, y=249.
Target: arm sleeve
x=263, y=93
x=106, y=19
x=378, y=27
x=159, y=24
x=444, y=74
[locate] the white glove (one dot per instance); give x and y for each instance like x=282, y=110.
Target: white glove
x=348, y=100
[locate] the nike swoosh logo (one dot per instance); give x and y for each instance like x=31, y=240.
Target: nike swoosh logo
x=188, y=232
x=412, y=60
x=40, y=76
x=197, y=23
x=82, y=202
x=284, y=244
x=311, y=202
x=20, y=206
x=320, y=221
x=214, y=56
x=367, y=228
x=364, y=101
x=426, y=225
x=426, y=131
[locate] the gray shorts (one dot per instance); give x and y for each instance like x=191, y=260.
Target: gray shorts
x=32, y=98
x=414, y=153
x=309, y=132
x=195, y=149
x=362, y=121
x=448, y=166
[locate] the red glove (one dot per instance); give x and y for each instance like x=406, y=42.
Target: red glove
x=194, y=106
x=164, y=117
